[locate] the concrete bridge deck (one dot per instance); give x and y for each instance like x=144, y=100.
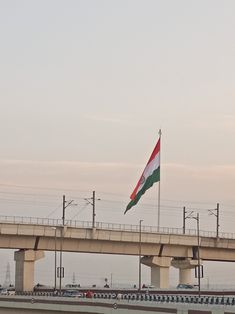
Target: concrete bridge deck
x=29, y=233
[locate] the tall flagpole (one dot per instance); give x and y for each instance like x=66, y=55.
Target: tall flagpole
x=159, y=185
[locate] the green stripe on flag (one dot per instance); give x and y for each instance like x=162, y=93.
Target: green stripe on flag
x=155, y=177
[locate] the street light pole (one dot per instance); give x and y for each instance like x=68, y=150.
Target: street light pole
x=198, y=268
x=140, y=240
x=198, y=256
x=54, y=228
x=61, y=241
x=55, y=258
x=61, y=269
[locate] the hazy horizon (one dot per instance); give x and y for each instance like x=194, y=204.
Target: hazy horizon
x=85, y=87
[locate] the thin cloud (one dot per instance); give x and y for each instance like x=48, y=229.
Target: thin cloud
x=222, y=122
x=67, y=163
x=125, y=120
x=83, y=164
x=194, y=168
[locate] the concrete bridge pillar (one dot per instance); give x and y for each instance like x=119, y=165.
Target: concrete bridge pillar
x=185, y=276
x=24, y=271
x=184, y=266
x=159, y=270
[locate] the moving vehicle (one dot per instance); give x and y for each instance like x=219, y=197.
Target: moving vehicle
x=72, y=294
x=185, y=286
x=72, y=286
x=7, y=292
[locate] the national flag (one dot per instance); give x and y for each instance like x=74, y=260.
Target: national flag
x=150, y=175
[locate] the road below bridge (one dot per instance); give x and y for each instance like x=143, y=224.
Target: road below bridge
x=39, y=305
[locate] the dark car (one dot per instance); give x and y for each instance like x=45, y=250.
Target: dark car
x=185, y=286
x=72, y=294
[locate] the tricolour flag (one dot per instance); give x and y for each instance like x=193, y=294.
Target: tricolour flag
x=150, y=175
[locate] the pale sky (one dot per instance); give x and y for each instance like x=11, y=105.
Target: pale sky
x=85, y=87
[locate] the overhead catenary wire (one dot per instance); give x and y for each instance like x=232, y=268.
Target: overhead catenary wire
x=111, y=204
x=146, y=206
x=80, y=211
x=123, y=196
x=54, y=211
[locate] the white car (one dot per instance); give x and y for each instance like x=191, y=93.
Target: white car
x=7, y=292
x=11, y=292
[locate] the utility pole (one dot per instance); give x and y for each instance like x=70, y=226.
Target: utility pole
x=217, y=220
x=92, y=203
x=93, y=209
x=140, y=242
x=63, y=213
x=211, y=212
x=186, y=217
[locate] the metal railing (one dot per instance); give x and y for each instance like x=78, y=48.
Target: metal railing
x=111, y=226
x=187, y=299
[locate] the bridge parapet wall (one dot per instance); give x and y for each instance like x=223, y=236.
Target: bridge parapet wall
x=25, y=236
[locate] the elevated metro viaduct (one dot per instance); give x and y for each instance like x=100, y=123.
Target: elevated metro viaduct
x=160, y=249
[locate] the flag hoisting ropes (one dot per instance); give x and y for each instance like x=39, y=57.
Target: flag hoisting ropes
x=150, y=175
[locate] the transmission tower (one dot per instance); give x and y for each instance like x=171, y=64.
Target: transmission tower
x=7, y=281
x=74, y=279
